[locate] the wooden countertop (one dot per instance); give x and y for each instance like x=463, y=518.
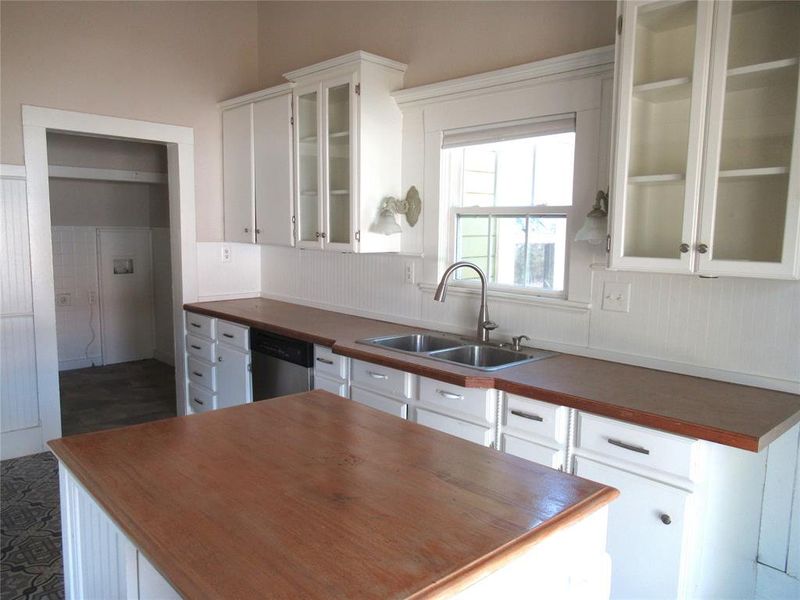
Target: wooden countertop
x=315, y=496
x=734, y=415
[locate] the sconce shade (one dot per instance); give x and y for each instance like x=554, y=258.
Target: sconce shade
x=386, y=223
x=595, y=228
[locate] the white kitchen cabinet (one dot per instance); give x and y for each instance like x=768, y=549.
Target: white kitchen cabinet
x=331, y=372
x=257, y=167
x=706, y=169
x=534, y=430
x=393, y=406
x=347, y=150
x=233, y=376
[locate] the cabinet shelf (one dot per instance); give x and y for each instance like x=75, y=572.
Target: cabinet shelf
x=766, y=74
x=339, y=192
x=309, y=193
x=648, y=179
x=668, y=90
x=339, y=134
x=759, y=172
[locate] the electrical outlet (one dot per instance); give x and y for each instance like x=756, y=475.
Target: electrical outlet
x=409, y=273
x=617, y=296
x=64, y=299
x=92, y=297
x=226, y=254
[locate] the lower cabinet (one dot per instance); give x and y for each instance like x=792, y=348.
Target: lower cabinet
x=331, y=372
x=463, y=429
x=334, y=386
x=233, y=376
x=534, y=452
x=395, y=407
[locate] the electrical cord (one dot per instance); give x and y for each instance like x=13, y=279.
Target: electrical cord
x=91, y=325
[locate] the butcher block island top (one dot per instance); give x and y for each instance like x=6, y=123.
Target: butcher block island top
x=315, y=496
x=734, y=415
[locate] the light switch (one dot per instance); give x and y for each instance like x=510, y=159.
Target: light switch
x=617, y=296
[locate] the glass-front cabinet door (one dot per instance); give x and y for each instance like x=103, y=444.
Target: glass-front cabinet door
x=662, y=82
x=339, y=176
x=751, y=195
x=308, y=117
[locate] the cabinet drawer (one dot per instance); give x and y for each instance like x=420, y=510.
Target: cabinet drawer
x=200, y=347
x=383, y=379
x=201, y=400
x=464, y=430
x=379, y=402
x=638, y=445
x=234, y=335
x=200, y=325
x=542, y=455
x=475, y=402
x=202, y=373
x=334, y=386
x=330, y=364
x=533, y=417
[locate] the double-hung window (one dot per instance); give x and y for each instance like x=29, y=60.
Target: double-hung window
x=509, y=188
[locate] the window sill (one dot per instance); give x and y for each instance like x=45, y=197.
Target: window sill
x=519, y=297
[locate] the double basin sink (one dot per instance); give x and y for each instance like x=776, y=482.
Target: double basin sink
x=458, y=351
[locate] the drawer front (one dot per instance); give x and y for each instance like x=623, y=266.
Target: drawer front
x=542, y=455
x=379, y=402
x=234, y=335
x=638, y=445
x=475, y=402
x=334, y=386
x=202, y=373
x=200, y=347
x=200, y=325
x=383, y=379
x=201, y=400
x=533, y=417
x=330, y=364
x=463, y=429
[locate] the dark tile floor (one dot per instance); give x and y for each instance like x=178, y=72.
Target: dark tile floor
x=30, y=526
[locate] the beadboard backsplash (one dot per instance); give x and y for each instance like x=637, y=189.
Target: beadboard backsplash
x=742, y=330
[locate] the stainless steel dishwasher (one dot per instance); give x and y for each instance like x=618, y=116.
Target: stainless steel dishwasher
x=281, y=365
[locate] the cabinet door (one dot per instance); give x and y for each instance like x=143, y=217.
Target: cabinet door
x=340, y=177
x=233, y=377
x=272, y=141
x=237, y=174
x=379, y=402
x=538, y=453
x=308, y=166
x=751, y=195
x=645, y=532
x=661, y=88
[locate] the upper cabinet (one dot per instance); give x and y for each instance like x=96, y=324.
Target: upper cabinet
x=706, y=159
x=347, y=151
x=257, y=167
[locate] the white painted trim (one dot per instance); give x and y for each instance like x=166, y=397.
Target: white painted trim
x=62, y=172
x=771, y=383
x=12, y=171
x=79, y=363
x=345, y=60
x=515, y=297
x=588, y=62
x=20, y=442
x=271, y=92
x=183, y=236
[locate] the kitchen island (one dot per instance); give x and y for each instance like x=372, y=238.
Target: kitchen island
x=314, y=496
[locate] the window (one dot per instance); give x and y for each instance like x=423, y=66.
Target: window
x=510, y=194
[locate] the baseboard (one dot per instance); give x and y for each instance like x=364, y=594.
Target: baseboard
x=772, y=584
x=21, y=442
x=79, y=363
x=164, y=357
x=660, y=364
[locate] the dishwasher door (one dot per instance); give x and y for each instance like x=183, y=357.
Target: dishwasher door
x=273, y=377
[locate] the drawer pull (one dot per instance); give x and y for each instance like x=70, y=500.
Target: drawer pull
x=199, y=401
x=376, y=375
x=325, y=361
x=630, y=447
x=666, y=519
x=195, y=325
x=196, y=373
x=227, y=335
x=196, y=347
x=449, y=395
x=524, y=415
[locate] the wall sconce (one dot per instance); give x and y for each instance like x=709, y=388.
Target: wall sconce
x=410, y=206
x=595, y=228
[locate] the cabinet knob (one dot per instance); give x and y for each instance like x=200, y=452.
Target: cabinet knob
x=318, y=234
x=666, y=519
x=684, y=248
x=322, y=235
x=219, y=359
x=702, y=248
x=258, y=231
x=247, y=230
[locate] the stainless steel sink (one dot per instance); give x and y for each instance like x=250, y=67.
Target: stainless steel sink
x=488, y=358
x=416, y=342
x=458, y=351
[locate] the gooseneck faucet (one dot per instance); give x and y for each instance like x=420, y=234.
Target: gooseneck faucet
x=484, y=324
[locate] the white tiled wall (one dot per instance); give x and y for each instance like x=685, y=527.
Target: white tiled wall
x=75, y=273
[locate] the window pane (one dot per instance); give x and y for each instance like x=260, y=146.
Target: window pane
x=525, y=251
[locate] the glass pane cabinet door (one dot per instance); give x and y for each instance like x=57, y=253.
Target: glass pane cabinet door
x=308, y=168
x=339, y=164
x=749, y=222
x=662, y=78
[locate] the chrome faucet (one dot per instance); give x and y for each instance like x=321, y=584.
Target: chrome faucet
x=484, y=324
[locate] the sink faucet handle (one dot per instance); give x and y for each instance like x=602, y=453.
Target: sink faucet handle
x=489, y=325
x=517, y=341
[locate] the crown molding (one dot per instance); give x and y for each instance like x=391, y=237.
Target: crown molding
x=270, y=92
x=579, y=64
x=347, y=59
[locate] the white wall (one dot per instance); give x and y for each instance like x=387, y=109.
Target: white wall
x=162, y=295
x=239, y=278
